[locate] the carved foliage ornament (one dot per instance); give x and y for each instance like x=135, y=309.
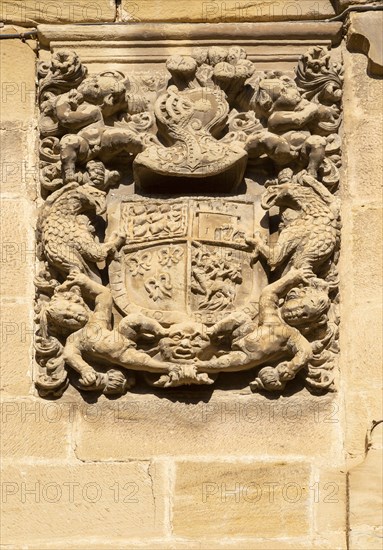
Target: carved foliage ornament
x=182, y=280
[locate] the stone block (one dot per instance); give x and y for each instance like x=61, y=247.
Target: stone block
x=364, y=166
x=99, y=543
x=35, y=428
x=18, y=74
x=366, y=491
x=241, y=425
x=18, y=168
x=267, y=500
x=30, y=12
x=364, y=407
x=364, y=353
x=17, y=249
x=222, y=12
x=16, y=348
x=367, y=255
x=329, y=541
x=52, y=503
x=362, y=139
x=364, y=34
x=329, y=496
x=366, y=482
x=366, y=537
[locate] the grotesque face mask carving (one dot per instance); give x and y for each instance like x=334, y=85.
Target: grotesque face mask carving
x=185, y=342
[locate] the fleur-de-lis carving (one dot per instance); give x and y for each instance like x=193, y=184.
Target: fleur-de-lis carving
x=139, y=263
x=159, y=288
x=170, y=256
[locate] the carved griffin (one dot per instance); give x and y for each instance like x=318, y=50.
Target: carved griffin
x=310, y=224
x=66, y=232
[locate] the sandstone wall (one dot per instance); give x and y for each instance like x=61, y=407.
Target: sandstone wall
x=232, y=470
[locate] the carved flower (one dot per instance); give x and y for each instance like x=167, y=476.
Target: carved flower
x=67, y=65
x=317, y=60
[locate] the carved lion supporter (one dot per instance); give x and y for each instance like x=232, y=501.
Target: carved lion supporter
x=91, y=332
x=278, y=332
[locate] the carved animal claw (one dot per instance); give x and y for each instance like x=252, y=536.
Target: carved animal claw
x=301, y=275
x=74, y=278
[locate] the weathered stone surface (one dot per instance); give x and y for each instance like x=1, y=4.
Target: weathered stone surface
x=364, y=34
x=17, y=248
x=222, y=12
x=330, y=502
x=99, y=543
x=16, y=348
x=365, y=407
x=363, y=105
x=256, y=36
x=328, y=542
x=361, y=328
x=367, y=228
x=366, y=537
x=18, y=169
x=232, y=498
x=35, y=429
x=342, y=5
x=365, y=347
x=18, y=88
x=118, y=498
x=366, y=498
x=29, y=12
x=241, y=425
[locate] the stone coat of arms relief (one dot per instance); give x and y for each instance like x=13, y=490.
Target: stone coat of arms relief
x=185, y=280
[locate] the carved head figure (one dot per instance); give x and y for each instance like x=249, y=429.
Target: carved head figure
x=285, y=194
x=305, y=305
x=75, y=198
x=66, y=312
x=108, y=90
x=185, y=341
x=276, y=94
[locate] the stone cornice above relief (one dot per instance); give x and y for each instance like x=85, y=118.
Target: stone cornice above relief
x=150, y=44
